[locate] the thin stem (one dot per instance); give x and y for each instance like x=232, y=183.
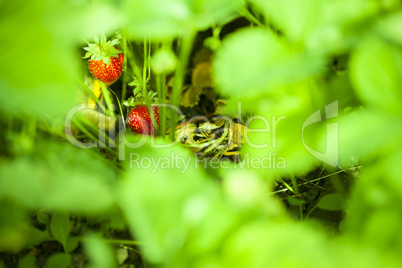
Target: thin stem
x=301, y=211
x=294, y=183
x=179, y=75
x=79, y=123
x=101, y=135
x=105, y=94
x=311, y=210
x=247, y=14
x=320, y=178
x=287, y=186
x=121, y=111
x=145, y=79
x=121, y=241
x=160, y=87
x=124, y=90
x=163, y=110
x=92, y=95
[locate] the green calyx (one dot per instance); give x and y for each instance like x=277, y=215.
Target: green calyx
x=102, y=49
x=138, y=98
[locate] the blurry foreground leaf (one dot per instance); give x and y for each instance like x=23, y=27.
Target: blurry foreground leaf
x=172, y=18
x=376, y=73
x=321, y=25
x=101, y=254
x=61, y=177
x=254, y=62
x=37, y=73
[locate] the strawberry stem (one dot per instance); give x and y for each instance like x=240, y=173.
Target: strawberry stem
x=160, y=88
x=96, y=99
x=80, y=120
x=144, y=84
x=184, y=56
x=106, y=96
x=124, y=91
x=121, y=111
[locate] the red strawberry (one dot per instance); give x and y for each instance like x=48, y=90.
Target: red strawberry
x=139, y=120
x=107, y=74
x=106, y=61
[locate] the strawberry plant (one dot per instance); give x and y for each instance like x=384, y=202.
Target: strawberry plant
x=211, y=133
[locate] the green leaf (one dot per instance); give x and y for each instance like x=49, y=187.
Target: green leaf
x=60, y=227
x=390, y=27
x=43, y=217
x=27, y=261
x=37, y=237
x=154, y=198
x=101, y=254
x=320, y=25
x=295, y=201
x=72, y=243
x=368, y=133
x=172, y=18
x=376, y=73
x=253, y=62
x=32, y=80
x=77, y=181
x=59, y=260
x=332, y=202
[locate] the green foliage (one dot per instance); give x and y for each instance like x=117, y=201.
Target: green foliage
x=332, y=202
x=27, y=262
x=171, y=18
x=279, y=62
x=377, y=75
x=265, y=64
x=60, y=260
x=60, y=227
x=101, y=254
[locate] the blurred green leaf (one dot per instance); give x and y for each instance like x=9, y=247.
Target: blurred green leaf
x=59, y=177
x=295, y=201
x=38, y=71
x=263, y=244
x=72, y=243
x=172, y=18
x=27, y=261
x=245, y=188
x=254, y=61
x=376, y=73
x=37, y=236
x=59, y=260
x=60, y=227
x=321, y=25
x=154, y=194
x=389, y=27
x=101, y=254
x=43, y=217
x=369, y=133
x=14, y=226
x=375, y=210
x=332, y=202
x=81, y=19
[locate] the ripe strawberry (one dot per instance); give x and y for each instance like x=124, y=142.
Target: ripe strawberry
x=139, y=120
x=105, y=60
